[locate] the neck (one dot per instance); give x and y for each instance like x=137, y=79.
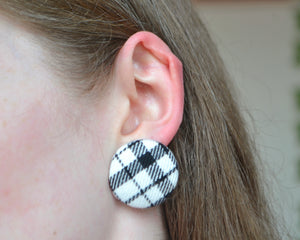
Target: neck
x=130, y=223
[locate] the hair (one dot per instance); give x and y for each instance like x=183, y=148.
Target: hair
x=220, y=194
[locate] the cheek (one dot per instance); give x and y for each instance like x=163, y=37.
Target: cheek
x=22, y=143
x=46, y=171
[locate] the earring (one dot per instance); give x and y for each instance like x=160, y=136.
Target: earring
x=143, y=173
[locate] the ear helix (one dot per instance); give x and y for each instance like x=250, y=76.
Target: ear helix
x=143, y=173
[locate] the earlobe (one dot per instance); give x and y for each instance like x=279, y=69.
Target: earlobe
x=150, y=81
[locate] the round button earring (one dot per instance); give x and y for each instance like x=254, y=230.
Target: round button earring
x=143, y=173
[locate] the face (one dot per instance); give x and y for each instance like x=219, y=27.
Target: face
x=53, y=171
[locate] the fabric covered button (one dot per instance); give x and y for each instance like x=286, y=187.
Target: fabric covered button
x=143, y=173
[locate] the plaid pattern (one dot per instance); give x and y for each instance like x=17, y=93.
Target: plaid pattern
x=143, y=173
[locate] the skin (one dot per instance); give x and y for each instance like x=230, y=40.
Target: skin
x=55, y=150
x=45, y=170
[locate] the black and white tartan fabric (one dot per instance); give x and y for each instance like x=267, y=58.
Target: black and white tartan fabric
x=143, y=173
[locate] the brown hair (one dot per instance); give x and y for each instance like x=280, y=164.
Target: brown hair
x=219, y=194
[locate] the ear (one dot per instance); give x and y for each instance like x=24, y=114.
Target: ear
x=150, y=92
